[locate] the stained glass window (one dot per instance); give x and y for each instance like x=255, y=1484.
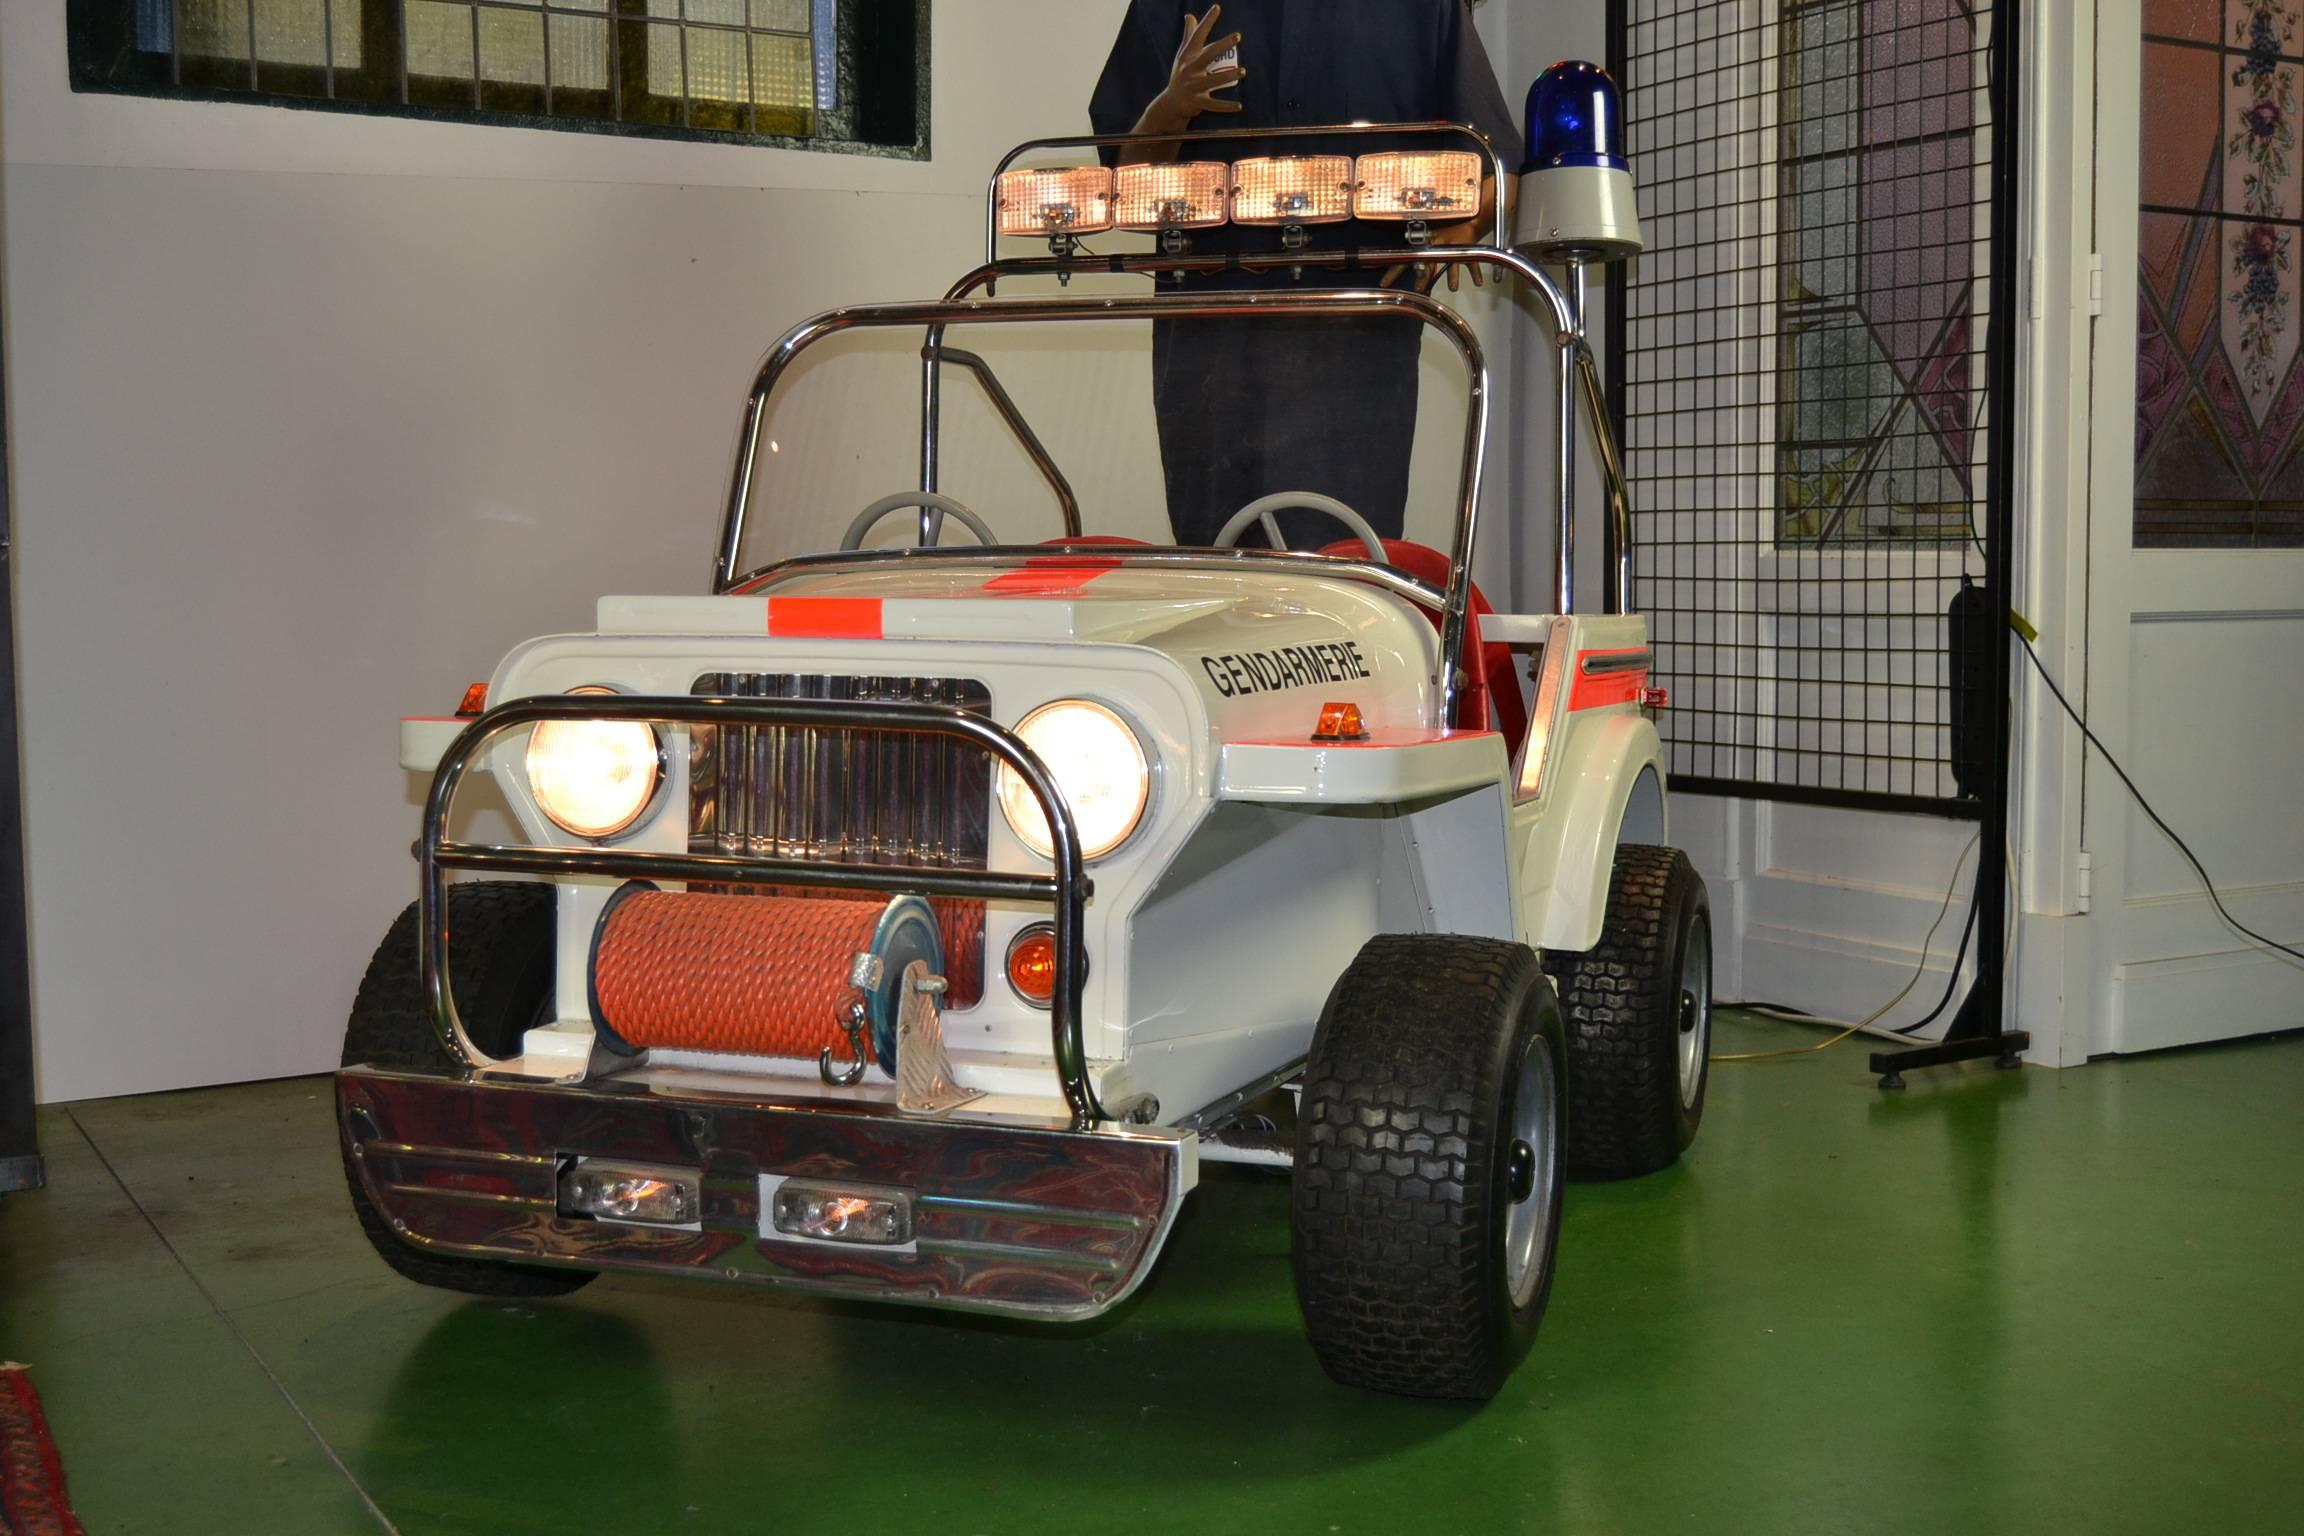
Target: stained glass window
x=2219, y=394
x=838, y=71
x=1877, y=254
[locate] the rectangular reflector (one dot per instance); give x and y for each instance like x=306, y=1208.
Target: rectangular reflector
x=1076, y=200
x=1432, y=185
x=636, y=1192
x=1195, y=195
x=843, y=1213
x=1297, y=189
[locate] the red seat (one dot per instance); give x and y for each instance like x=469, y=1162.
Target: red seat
x=1491, y=698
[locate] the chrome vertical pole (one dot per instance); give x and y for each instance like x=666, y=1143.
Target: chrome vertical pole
x=1564, y=466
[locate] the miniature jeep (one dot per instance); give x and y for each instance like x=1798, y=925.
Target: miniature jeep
x=910, y=923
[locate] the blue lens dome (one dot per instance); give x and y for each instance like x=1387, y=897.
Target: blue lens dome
x=1575, y=117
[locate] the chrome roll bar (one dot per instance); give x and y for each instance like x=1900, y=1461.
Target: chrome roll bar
x=1456, y=606
x=1006, y=556
x=1067, y=889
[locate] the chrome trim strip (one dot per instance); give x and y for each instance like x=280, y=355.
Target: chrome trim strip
x=472, y=1196
x=1056, y=1214
x=1544, y=719
x=1067, y=889
x=1020, y=1252
x=1599, y=663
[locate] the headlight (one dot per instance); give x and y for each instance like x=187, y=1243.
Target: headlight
x=594, y=777
x=1100, y=770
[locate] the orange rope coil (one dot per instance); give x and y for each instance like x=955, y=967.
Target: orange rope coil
x=755, y=975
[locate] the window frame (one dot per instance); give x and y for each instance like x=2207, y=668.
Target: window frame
x=882, y=104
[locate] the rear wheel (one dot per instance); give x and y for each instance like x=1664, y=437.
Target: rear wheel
x=500, y=968
x=1639, y=1006
x=1429, y=1166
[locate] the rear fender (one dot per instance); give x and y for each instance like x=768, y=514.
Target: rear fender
x=1608, y=788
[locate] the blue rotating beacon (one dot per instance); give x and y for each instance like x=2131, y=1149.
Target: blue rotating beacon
x=1576, y=192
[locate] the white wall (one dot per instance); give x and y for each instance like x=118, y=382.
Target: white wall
x=315, y=415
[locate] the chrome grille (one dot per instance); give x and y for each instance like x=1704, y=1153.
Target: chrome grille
x=840, y=797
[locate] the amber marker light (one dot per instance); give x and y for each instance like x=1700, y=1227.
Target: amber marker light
x=1340, y=722
x=1296, y=189
x=1076, y=200
x=1436, y=186
x=1032, y=965
x=1194, y=195
x=475, y=700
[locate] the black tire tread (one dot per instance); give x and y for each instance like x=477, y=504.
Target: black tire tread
x=503, y=931
x=1625, y=1117
x=1392, y=1191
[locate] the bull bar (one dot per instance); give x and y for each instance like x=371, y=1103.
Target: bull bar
x=1066, y=888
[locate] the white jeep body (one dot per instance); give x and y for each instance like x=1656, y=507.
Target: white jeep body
x=1265, y=859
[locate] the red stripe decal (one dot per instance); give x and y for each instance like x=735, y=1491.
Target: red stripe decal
x=1598, y=690
x=1051, y=575
x=825, y=618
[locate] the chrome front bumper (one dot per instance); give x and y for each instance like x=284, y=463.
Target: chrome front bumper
x=1023, y=1218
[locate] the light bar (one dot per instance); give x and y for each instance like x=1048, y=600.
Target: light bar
x=1075, y=200
x=1436, y=186
x=1296, y=189
x=1194, y=195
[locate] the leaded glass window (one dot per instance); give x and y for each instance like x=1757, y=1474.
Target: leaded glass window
x=1877, y=252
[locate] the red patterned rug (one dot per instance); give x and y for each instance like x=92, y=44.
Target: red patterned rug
x=32, y=1500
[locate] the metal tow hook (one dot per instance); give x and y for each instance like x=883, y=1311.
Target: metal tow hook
x=865, y=973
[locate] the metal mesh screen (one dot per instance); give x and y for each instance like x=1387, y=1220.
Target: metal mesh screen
x=1805, y=421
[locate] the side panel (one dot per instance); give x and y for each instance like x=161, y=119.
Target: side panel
x=1567, y=841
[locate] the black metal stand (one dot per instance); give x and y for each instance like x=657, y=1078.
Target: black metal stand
x=1980, y=1029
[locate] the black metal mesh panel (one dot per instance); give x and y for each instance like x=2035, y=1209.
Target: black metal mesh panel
x=1803, y=366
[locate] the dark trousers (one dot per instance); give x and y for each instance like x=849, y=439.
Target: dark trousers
x=1248, y=407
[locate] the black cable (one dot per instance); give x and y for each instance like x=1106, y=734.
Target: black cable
x=2145, y=806
x=1952, y=981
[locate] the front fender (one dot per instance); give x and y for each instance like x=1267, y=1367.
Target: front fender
x=1612, y=767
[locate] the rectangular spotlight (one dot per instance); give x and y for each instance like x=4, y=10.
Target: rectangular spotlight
x=1191, y=195
x=1295, y=189
x=1074, y=200
x=1431, y=185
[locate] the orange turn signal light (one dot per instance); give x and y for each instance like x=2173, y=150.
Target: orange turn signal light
x=1340, y=722
x=1655, y=698
x=1032, y=965
x=475, y=700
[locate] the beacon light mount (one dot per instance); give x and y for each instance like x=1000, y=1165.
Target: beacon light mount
x=1576, y=197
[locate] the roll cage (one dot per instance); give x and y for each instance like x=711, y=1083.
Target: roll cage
x=1578, y=380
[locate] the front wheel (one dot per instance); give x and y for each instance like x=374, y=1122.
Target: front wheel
x=1429, y=1164
x=500, y=967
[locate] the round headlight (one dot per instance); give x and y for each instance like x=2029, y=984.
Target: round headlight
x=594, y=777
x=1100, y=770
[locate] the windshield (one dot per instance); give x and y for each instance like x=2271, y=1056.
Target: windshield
x=1352, y=427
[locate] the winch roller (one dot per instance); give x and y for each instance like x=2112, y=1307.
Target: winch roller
x=754, y=975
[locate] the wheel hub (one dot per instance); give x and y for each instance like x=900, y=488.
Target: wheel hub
x=1695, y=1010
x=1531, y=1173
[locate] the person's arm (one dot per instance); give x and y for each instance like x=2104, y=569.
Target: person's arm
x=1190, y=87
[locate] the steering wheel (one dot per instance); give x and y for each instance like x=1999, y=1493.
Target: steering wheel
x=1262, y=508
x=936, y=501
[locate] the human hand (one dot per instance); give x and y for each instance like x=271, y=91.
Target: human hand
x=1465, y=232
x=1193, y=79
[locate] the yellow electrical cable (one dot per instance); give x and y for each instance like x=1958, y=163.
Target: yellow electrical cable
x=1881, y=1012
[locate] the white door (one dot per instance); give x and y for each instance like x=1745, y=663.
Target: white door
x=2194, y=623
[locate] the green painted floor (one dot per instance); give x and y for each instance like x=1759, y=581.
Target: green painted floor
x=2001, y=1302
